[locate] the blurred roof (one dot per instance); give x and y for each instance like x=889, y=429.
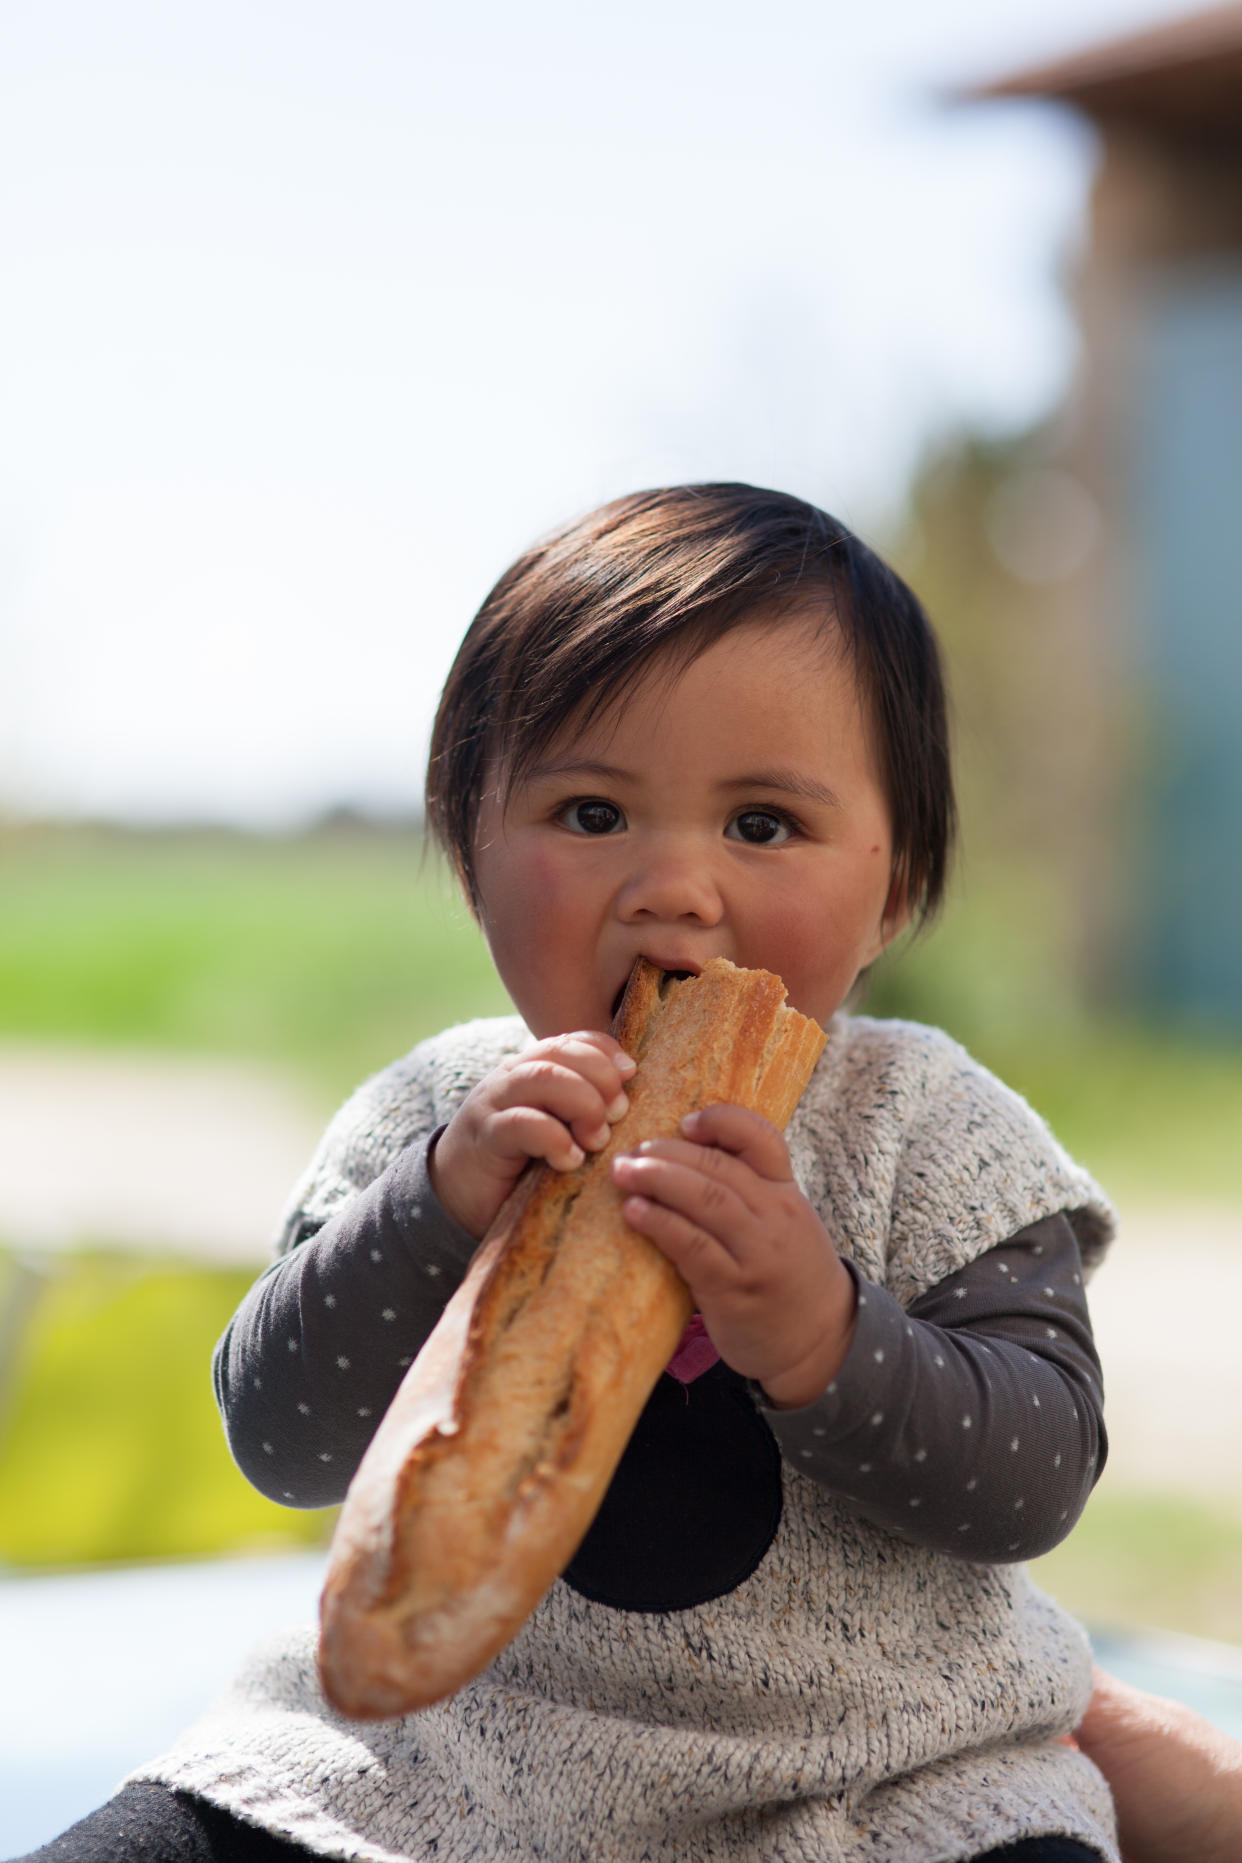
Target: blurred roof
x=1188, y=71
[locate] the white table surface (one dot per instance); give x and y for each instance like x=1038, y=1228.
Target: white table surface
x=102, y=1669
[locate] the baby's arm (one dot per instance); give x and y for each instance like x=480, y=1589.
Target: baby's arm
x=315, y=1352
x=1176, y=1780
x=973, y=1422
x=313, y=1356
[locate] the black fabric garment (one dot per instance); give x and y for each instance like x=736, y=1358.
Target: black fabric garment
x=148, y=1823
x=151, y=1824
x=1040, y=1850
x=694, y=1504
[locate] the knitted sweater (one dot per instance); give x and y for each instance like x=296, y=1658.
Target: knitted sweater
x=856, y=1696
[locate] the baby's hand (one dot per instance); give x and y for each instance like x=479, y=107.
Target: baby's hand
x=556, y=1101
x=723, y=1206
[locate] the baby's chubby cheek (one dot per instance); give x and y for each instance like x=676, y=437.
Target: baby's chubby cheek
x=547, y=881
x=533, y=913
x=543, y=866
x=510, y=882
x=815, y=960
x=806, y=970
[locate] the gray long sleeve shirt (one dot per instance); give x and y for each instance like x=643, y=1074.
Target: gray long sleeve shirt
x=991, y=1375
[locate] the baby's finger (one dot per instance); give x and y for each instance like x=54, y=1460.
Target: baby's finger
x=598, y=1059
x=525, y=1132
x=548, y=1084
x=709, y=1161
x=696, y=1255
x=745, y=1135
x=602, y=1043
x=701, y=1197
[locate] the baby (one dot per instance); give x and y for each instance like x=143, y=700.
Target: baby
x=702, y=722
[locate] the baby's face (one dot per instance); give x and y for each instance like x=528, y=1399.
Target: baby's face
x=735, y=812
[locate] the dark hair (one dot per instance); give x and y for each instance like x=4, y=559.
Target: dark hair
x=571, y=627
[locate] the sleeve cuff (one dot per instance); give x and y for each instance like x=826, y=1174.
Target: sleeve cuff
x=419, y=1217
x=853, y=1402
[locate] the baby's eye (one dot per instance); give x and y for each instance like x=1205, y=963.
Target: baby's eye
x=593, y=817
x=760, y=827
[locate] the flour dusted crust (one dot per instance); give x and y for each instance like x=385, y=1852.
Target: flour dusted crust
x=495, y=1454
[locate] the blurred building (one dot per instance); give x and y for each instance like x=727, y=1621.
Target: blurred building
x=1155, y=435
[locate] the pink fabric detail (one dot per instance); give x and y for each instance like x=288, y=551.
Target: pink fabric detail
x=695, y=1353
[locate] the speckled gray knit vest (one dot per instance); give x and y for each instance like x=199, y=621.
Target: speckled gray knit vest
x=856, y=1697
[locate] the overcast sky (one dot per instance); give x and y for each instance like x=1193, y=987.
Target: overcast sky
x=314, y=315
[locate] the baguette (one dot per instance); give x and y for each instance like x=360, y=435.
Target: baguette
x=493, y=1458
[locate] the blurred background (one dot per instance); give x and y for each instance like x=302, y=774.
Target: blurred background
x=313, y=318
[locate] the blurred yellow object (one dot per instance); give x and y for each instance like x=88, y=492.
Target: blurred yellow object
x=110, y=1445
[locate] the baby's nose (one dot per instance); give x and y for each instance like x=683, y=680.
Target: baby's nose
x=672, y=882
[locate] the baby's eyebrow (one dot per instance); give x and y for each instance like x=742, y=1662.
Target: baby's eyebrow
x=578, y=767
x=791, y=782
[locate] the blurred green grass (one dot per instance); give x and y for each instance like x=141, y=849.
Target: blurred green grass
x=1168, y=1562
x=326, y=954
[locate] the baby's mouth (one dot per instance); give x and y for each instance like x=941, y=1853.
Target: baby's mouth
x=675, y=976
x=669, y=976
